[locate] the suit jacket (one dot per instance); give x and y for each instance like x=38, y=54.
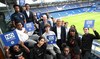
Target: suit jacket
x=30, y=18
x=41, y=27
x=63, y=33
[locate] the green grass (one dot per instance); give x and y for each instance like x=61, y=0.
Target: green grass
x=79, y=19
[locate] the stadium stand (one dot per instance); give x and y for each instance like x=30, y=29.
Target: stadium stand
x=60, y=7
x=66, y=13
x=66, y=9
x=86, y=6
x=94, y=46
x=61, y=10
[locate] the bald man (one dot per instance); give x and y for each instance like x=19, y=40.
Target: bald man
x=42, y=24
x=60, y=32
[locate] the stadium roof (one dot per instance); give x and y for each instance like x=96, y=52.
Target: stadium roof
x=40, y=1
x=2, y=5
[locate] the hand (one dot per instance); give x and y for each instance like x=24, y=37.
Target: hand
x=25, y=32
x=21, y=43
x=6, y=48
x=93, y=29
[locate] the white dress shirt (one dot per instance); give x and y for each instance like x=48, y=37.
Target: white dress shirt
x=58, y=32
x=28, y=13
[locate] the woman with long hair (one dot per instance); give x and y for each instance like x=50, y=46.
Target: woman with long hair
x=74, y=43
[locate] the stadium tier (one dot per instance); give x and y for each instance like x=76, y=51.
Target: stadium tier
x=60, y=7
x=63, y=10
x=66, y=13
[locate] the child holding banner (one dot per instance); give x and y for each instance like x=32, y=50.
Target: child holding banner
x=23, y=35
x=87, y=40
x=17, y=51
x=51, y=40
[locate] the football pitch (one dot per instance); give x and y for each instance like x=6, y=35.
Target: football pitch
x=79, y=19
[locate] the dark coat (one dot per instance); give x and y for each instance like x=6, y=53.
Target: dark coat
x=63, y=33
x=41, y=27
x=30, y=18
x=38, y=52
x=87, y=40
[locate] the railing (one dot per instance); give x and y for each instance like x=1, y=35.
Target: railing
x=96, y=48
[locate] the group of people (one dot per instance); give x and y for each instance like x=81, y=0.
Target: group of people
x=67, y=45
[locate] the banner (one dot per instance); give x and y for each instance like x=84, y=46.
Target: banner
x=38, y=14
x=29, y=26
x=21, y=2
x=52, y=39
x=10, y=38
x=89, y=23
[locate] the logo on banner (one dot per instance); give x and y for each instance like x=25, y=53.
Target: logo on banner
x=10, y=38
x=52, y=39
x=29, y=26
x=89, y=23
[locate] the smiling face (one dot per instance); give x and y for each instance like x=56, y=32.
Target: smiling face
x=72, y=33
x=66, y=24
x=41, y=41
x=44, y=18
x=59, y=22
x=66, y=50
x=27, y=7
x=17, y=9
x=19, y=26
x=47, y=29
x=86, y=30
x=16, y=48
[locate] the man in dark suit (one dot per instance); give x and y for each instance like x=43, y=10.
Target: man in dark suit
x=42, y=24
x=28, y=14
x=60, y=33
